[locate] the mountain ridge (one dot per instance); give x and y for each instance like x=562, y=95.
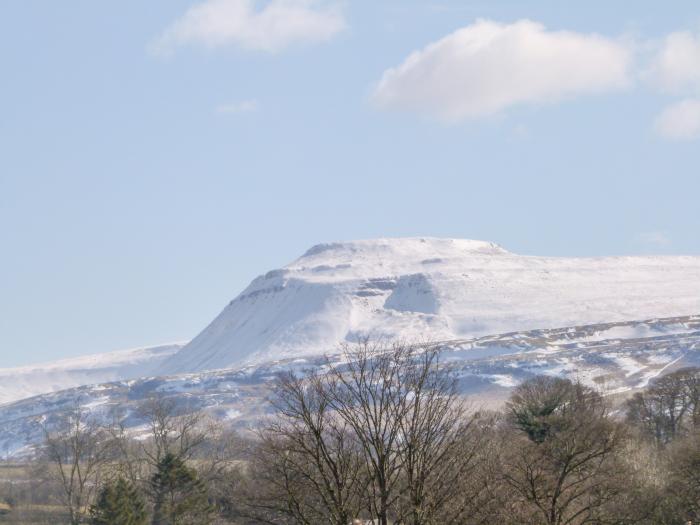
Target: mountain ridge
x=431, y=287
x=30, y=380
x=615, y=358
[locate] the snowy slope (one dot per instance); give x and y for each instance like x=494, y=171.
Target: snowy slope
x=18, y=383
x=615, y=358
x=427, y=288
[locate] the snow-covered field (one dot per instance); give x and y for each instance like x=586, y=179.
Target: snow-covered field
x=438, y=289
x=26, y=381
x=487, y=368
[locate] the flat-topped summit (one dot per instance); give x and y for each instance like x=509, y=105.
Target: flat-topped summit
x=431, y=288
x=373, y=258
x=405, y=245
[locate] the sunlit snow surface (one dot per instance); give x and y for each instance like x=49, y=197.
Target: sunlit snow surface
x=26, y=381
x=614, y=323
x=487, y=368
x=439, y=289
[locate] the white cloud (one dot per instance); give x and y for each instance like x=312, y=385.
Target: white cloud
x=676, y=65
x=675, y=69
x=487, y=67
x=245, y=106
x=275, y=26
x=655, y=239
x=680, y=121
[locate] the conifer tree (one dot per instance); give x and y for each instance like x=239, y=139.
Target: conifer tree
x=179, y=496
x=118, y=503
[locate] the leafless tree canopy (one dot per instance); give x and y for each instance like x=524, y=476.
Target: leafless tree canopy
x=382, y=435
x=560, y=455
x=670, y=408
x=76, y=453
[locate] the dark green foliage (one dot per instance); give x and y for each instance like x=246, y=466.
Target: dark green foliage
x=179, y=496
x=118, y=503
x=538, y=407
x=562, y=458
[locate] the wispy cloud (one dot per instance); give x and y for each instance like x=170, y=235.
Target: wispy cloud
x=653, y=239
x=680, y=121
x=245, y=106
x=675, y=69
x=487, y=67
x=237, y=23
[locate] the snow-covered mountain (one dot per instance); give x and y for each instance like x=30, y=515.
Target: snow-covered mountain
x=427, y=288
x=26, y=381
x=612, y=322
x=615, y=358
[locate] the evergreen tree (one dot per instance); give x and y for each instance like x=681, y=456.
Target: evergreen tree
x=179, y=496
x=118, y=503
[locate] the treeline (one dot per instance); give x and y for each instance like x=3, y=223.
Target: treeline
x=382, y=436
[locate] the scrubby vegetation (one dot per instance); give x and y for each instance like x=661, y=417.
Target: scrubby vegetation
x=380, y=437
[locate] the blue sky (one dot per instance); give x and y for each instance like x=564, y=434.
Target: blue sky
x=156, y=156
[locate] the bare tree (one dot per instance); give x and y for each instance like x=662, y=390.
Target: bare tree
x=561, y=461
x=307, y=458
x=379, y=435
x=172, y=430
x=77, y=450
x=669, y=408
x=130, y=461
x=684, y=478
x=437, y=448
x=219, y=461
x=692, y=391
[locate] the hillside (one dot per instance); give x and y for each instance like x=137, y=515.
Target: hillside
x=26, y=381
x=427, y=288
x=614, y=358
x=613, y=322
